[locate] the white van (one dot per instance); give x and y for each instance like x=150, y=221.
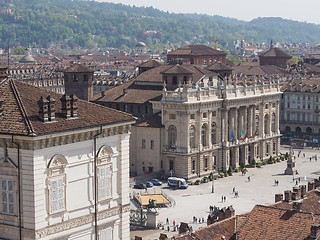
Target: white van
x=175, y=182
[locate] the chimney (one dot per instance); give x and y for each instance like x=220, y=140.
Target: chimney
x=296, y=206
x=1, y=109
x=278, y=197
x=74, y=105
x=315, y=231
x=43, y=109
x=303, y=191
x=298, y=191
x=66, y=106
x=295, y=196
x=310, y=186
x=287, y=195
x=51, y=110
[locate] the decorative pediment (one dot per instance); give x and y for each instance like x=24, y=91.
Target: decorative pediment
x=105, y=153
x=57, y=164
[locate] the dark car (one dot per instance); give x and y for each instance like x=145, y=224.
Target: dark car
x=140, y=186
x=149, y=184
x=156, y=182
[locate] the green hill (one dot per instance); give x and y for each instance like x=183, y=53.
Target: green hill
x=88, y=24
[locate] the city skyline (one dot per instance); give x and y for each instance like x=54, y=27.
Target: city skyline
x=244, y=10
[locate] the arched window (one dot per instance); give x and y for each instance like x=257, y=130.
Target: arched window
x=192, y=137
x=309, y=130
x=298, y=129
x=213, y=133
x=257, y=125
x=266, y=124
x=204, y=135
x=288, y=129
x=57, y=184
x=172, y=136
x=273, y=122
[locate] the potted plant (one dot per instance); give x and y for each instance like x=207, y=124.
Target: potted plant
x=253, y=163
x=198, y=182
x=270, y=161
x=221, y=174
x=230, y=171
x=205, y=179
x=236, y=170
x=258, y=164
x=287, y=155
x=225, y=173
x=215, y=177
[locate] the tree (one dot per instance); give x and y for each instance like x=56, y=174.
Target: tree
x=19, y=51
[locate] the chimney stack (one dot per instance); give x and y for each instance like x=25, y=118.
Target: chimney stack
x=66, y=106
x=43, y=109
x=51, y=109
x=303, y=191
x=317, y=183
x=74, y=105
x=296, y=206
x=287, y=196
x=295, y=196
x=298, y=191
x=315, y=231
x=310, y=186
x=278, y=197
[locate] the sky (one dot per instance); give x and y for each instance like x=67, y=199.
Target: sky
x=304, y=11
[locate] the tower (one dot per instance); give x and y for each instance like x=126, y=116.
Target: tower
x=78, y=80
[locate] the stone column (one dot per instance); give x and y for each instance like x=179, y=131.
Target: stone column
x=250, y=121
x=209, y=128
x=270, y=118
x=231, y=124
x=246, y=153
x=198, y=117
x=277, y=117
x=245, y=118
x=261, y=120
x=236, y=130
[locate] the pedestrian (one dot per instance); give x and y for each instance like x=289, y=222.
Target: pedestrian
x=304, y=155
x=199, y=220
x=222, y=198
x=190, y=229
x=296, y=182
x=299, y=179
x=248, y=178
x=168, y=229
x=167, y=220
x=234, y=190
x=225, y=198
x=310, y=159
x=202, y=220
x=292, y=178
x=174, y=222
x=275, y=182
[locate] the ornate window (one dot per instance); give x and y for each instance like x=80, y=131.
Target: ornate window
x=266, y=124
x=192, y=137
x=273, y=122
x=213, y=133
x=172, y=136
x=57, y=184
x=204, y=135
x=257, y=123
x=104, y=173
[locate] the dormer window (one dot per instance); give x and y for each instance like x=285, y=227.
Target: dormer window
x=174, y=80
x=185, y=81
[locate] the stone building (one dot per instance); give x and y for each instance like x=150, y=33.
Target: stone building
x=64, y=166
x=196, y=54
x=300, y=108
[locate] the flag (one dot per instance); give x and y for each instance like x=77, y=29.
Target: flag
x=245, y=137
x=241, y=133
x=232, y=136
x=257, y=132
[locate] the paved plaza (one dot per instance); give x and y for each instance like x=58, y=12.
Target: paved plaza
x=261, y=189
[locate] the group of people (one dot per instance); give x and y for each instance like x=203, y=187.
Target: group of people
x=174, y=225
x=236, y=194
x=198, y=220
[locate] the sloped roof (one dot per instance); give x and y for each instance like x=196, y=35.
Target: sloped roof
x=177, y=69
x=196, y=50
x=258, y=70
x=276, y=52
x=150, y=64
x=219, y=66
x=78, y=68
x=153, y=121
x=267, y=222
x=20, y=112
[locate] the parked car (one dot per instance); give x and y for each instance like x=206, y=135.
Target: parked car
x=140, y=186
x=149, y=184
x=156, y=182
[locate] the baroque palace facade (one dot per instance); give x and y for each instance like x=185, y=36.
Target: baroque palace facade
x=213, y=127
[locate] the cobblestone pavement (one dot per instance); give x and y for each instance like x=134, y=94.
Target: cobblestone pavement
x=195, y=200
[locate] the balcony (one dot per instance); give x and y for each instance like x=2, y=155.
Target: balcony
x=171, y=149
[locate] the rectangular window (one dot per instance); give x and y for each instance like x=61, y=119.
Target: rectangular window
x=143, y=143
x=57, y=195
x=172, y=116
x=7, y=196
x=171, y=164
x=193, y=165
x=104, y=182
x=206, y=163
x=204, y=115
x=106, y=234
x=151, y=144
x=192, y=116
x=214, y=113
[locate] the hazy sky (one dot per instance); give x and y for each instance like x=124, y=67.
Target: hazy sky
x=307, y=10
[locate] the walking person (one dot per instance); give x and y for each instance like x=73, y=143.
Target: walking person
x=249, y=179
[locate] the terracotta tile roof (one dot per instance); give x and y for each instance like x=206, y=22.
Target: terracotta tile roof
x=266, y=222
x=129, y=93
x=177, y=69
x=150, y=64
x=196, y=50
x=276, y=52
x=20, y=112
x=258, y=70
x=219, y=66
x=153, y=121
x=309, y=68
x=79, y=68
